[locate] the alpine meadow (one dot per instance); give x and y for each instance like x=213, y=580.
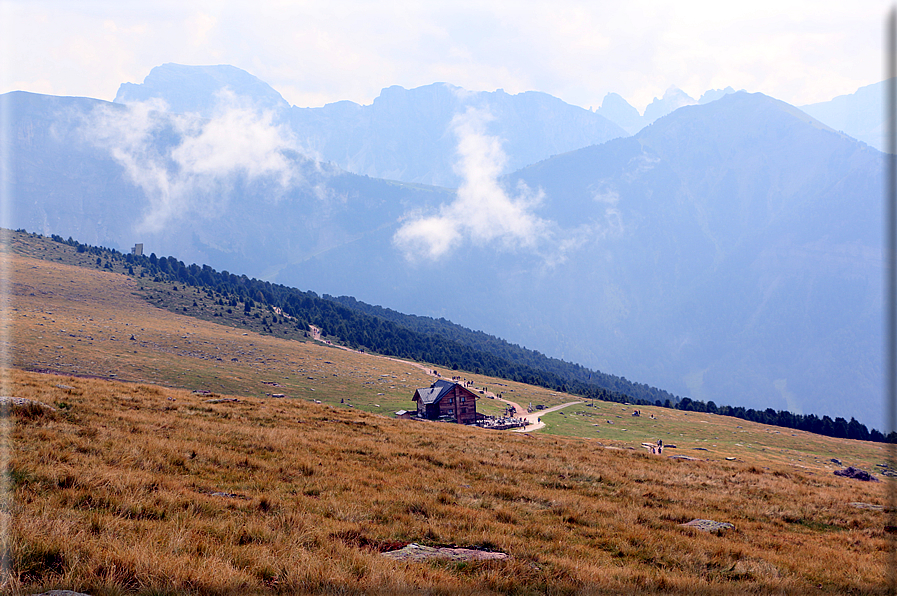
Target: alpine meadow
x=446, y=342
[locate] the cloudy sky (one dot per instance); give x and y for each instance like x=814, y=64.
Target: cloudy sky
x=315, y=52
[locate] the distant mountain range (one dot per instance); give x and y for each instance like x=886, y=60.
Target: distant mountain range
x=616, y=109
x=729, y=251
x=403, y=135
x=533, y=126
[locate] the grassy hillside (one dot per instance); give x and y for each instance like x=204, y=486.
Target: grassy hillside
x=135, y=484
x=260, y=306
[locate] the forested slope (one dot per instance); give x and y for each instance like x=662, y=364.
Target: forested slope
x=482, y=342
x=277, y=309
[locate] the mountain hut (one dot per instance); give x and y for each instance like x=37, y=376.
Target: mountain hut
x=446, y=399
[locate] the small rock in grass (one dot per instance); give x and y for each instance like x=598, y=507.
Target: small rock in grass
x=418, y=552
x=857, y=474
x=22, y=401
x=871, y=506
x=708, y=525
x=228, y=495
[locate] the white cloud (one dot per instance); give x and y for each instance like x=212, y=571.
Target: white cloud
x=428, y=237
x=188, y=165
x=237, y=138
x=607, y=196
x=483, y=212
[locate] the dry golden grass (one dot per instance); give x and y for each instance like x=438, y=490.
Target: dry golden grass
x=115, y=492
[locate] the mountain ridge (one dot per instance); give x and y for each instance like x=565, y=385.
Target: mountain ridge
x=187, y=89
x=859, y=114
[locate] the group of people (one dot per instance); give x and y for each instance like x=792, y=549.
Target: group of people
x=504, y=422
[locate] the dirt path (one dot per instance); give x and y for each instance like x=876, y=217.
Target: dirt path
x=533, y=418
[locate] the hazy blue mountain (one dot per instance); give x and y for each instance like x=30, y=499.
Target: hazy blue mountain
x=745, y=260
x=673, y=99
x=714, y=94
x=56, y=184
x=729, y=251
x=193, y=89
x=617, y=110
x=407, y=134
x=860, y=114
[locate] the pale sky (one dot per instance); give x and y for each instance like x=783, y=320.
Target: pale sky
x=315, y=52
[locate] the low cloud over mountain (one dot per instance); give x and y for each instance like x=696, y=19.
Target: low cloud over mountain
x=196, y=171
x=483, y=212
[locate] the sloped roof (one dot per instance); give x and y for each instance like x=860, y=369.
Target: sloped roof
x=435, y=392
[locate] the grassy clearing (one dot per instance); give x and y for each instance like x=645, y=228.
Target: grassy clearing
x=145, y=487
x=708, y=436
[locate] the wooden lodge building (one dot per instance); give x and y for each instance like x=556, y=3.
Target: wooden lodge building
x=446, y=399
